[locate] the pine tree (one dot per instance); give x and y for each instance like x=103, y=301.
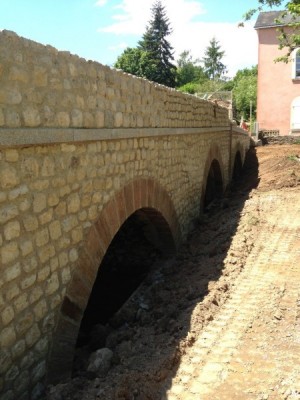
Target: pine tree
x=212, y=60
x=157, y=64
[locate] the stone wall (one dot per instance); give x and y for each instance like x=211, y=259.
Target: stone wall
x=65, y=191
x=43, y=87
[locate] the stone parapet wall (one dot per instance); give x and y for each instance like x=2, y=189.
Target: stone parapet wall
x=43, y=87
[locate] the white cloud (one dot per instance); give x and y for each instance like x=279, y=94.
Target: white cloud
x=133, y=16
x=100, y=3
x=239, y=44
x=119, y=46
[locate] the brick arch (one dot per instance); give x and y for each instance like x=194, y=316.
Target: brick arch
x=145, y=196
x=214, y=154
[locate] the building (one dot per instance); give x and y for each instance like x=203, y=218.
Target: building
x=278, y=88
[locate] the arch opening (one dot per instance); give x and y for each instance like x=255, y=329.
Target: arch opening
x=214, y=183
x=237, y=167
x=142, y=242
x=153, y=207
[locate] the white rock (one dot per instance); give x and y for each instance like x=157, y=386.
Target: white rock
x=100, y=361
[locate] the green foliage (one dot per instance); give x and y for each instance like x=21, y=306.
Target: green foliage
x=190, y=87
x=245, y=91
x=157, y=63
x=188, y=70
x=213, y=65
x=152, y=59
x=130, y=61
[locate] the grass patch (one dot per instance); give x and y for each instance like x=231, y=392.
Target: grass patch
x=293, y=158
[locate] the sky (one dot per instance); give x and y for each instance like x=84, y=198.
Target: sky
x=100, y=30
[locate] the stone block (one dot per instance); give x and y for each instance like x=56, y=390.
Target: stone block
x=39, y=185
x=24, y=323
x=65, y=275
x=52, y=284
x=55, y=230
x=13, y=272
x=88, y=120
x=35, y=294
x=26, y=247
x=8, y=212
x=73, y=203
x=40, y=310
x=11, y=155
x=99, y=119
x=30, y=167
x=18, y=192
x=46, y=252
x=76, y=118
x=73, y=255
x=42, y=237
x=40, y=76
x=7, y=337
x=19, y=74
x=28, y=281
x=21, y=303
x=33, y=335
x=61, y=209
x=48, y=167
x=8, y=176
x=63, y=119
x=18, y=349
x=30, y=223
x=7, y=315
x=77, y=234
x=12, y=291
x=69, y=223
x=39, y=202
x=31, y=117
x=46, y=217
x=10, y=96
x=53, y=199
x=9, y=253
x=12, y=230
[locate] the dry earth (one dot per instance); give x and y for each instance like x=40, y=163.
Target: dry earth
x=222, y=319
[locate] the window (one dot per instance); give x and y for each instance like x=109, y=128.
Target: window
x=295, y=114
x=296, y=64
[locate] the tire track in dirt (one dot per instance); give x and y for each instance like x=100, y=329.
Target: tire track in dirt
x=251, y=349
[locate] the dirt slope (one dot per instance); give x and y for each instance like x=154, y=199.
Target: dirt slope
x=220, y=320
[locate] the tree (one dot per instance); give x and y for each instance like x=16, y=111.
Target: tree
x=157, y=64
x=188, y=71
x=245, y=91
x=130, y=61
x=213, y=65
x=289, y=40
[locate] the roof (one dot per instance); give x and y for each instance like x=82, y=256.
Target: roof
x=267, y=19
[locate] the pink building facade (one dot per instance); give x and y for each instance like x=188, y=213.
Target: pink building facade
x=278, y=88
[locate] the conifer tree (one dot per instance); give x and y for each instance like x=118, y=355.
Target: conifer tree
x=157, y=64
x=213, y=65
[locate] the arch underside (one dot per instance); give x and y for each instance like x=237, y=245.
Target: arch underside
x=213, y=177
x=151, y=203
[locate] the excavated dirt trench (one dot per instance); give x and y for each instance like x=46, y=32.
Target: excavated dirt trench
x=153, y=338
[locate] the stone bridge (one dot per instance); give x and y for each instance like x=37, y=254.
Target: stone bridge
x=82, y=148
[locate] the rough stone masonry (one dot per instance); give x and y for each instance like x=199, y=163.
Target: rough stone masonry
x=83, y=147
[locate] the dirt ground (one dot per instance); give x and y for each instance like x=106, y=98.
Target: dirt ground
x=220, y=320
